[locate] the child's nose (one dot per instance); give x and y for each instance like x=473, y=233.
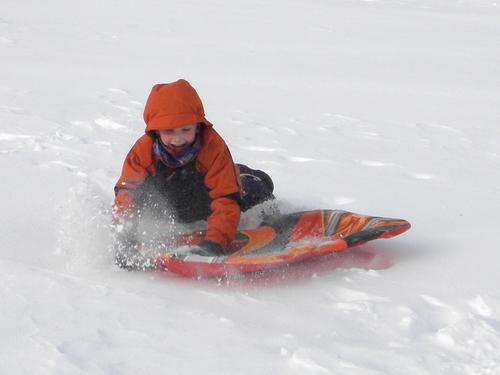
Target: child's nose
x=178, y=139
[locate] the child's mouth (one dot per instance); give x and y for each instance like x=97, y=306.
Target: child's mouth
x=176, y=149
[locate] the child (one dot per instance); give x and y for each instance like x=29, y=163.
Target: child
x=182, y=166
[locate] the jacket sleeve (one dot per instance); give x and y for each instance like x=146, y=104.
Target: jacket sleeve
x=136, y=167
x=224, y=188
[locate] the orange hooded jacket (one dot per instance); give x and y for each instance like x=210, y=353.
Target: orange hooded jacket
x=170, y=106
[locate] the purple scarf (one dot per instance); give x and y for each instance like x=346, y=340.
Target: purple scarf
x=176, y=159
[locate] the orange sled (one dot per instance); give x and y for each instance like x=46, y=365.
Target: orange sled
x=281, y=241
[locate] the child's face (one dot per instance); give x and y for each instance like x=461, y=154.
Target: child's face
x=179, y=137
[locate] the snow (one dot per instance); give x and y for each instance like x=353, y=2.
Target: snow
x=383, y=107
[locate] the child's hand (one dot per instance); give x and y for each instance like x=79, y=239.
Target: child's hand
x=205, y=248
x=212, y=247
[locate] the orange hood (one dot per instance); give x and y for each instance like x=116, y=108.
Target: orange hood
x=173, y=105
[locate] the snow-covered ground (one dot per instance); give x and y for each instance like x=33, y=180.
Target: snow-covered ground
x=383, y=107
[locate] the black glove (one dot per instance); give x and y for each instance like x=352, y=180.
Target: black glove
x=207, y=248
x=127, y=255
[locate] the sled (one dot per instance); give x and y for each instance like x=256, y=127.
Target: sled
x=281, y=241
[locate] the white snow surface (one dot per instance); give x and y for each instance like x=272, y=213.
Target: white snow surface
x=382, y=107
